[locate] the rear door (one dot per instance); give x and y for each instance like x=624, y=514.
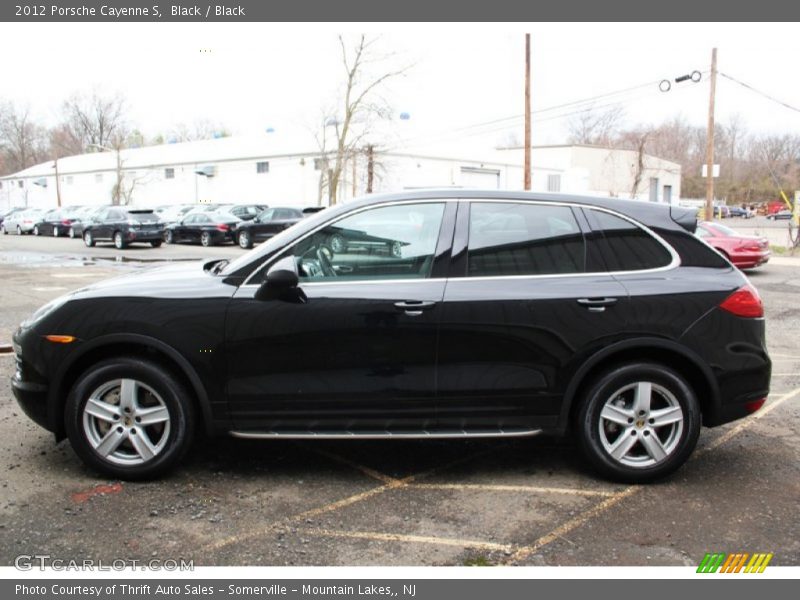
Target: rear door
x=524, y=303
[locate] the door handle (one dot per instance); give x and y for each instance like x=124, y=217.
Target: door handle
x=414, y=308
x=597, y=304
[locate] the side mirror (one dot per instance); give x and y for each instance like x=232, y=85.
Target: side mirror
x=281, y=283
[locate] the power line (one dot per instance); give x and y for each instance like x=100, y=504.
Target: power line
x=759, y=92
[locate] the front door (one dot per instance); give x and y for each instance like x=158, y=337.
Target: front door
x=360, y=353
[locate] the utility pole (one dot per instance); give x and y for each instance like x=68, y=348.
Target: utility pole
x=710, y=141
x=58, y=184
x=527, y=111
x=370, y=167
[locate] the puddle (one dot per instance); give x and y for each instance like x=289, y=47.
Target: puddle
x=39, y=259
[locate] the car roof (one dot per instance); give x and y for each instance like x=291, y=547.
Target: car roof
x=652, y=214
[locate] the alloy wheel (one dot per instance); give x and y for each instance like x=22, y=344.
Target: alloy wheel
x=244, y=240
x=126, y=422
x=641, y=424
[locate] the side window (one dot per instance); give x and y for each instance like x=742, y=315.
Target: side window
x=626, y=246
x=523, y=239
x=267, y=215
x=390, y=242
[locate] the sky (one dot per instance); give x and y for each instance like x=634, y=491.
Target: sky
x=252, y=76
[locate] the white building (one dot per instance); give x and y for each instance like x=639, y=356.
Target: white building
x=277, y=170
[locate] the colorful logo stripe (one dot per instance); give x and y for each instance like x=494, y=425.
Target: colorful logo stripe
x=734, y=563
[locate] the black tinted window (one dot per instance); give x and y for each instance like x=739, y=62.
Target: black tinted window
x=523, y=239
x=626, y=246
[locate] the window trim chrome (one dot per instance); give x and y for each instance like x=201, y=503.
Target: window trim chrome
x=674, y=263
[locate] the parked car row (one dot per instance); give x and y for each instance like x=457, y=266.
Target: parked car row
x=206, y=224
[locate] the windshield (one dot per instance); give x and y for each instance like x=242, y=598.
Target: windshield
x=725, y=230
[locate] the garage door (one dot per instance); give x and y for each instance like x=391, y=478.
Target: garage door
x=485, y=179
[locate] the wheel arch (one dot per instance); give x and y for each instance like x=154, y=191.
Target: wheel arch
x=656, y=350
x=129, y=345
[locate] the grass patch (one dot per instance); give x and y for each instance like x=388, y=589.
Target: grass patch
x=477, y=561
x=778, y=249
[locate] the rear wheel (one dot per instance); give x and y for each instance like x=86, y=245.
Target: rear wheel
x=169, y=237
x=71, y=233
x=119, y=240
x=244, y=239
x=88, y=239
x=35, y=230
x=205, y=239
x=129, y=418
x=19, y=230
x=55, y=231
x=156, y=244
x=639, y=422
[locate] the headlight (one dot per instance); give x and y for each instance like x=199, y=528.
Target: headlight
x=46, y=310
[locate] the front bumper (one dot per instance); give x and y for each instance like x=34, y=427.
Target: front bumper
x=32, y=399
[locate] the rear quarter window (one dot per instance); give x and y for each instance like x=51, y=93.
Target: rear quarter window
x=692, y=251
x=624, y=245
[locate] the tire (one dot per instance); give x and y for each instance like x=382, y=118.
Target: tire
x=337, y=244
x=113, y=441
x=19, y=230
x=55, y=231
x=5, y=231
x=35, y=230
x=88, y=239
x=205, y=239
x=71, y=233
x=169, y=237
x=119, y=241
x=607, y=421
x=245, y=240
x=156, y=244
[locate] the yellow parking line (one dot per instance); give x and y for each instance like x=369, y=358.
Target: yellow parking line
x=509, y=488
x=603, y=506
x=348, y=501
x=573, y=523
x=412, y=539
x=784, y=374
x=388, y=480
x=744, y=424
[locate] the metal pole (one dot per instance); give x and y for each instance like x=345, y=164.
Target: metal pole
x=710, y=140
x=527, y=182
x=58, y=184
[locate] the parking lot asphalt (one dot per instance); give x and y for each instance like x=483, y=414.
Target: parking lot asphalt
x=523, y=502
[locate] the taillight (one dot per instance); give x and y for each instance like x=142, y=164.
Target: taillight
x=754, y=405
x=223, y=227
x=66, y=222
x=744, y=302
x=750, y=248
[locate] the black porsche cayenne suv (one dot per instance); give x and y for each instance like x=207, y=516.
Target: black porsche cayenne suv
x=501, y=314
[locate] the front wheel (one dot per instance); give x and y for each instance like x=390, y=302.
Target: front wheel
x=638, y=422
x=156, y=243
x=36, y=230
x=88, y=239
x=119, y=241
x=129, y=419
x=169, y=237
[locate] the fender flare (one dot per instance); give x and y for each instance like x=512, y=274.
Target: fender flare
x=643, y=343
x=56, y=395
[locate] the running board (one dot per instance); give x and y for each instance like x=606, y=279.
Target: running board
x=375, y=435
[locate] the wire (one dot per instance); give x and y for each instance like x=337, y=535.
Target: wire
x=759, y=92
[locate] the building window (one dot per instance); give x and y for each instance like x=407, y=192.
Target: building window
x=169, y=173
x=319, y=164
x=653, y=189
x=70, y=179
x=1, y=185
x=98, y=178
x=21, y=183
x=262, y=167
x=554, y=183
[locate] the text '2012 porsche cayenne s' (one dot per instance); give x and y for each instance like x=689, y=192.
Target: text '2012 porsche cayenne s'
x=450, y=314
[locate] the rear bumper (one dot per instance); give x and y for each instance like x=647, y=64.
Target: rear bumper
x=145, y=236
x=751, y=260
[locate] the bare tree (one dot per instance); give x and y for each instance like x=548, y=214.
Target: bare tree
x=359, y=109
x=596, y=127
x=92, y=120
x=200, y=129
x=23, y=142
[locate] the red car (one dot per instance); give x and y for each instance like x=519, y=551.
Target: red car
x=744, y=251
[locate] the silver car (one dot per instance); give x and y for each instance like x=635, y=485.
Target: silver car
x=22, y=221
